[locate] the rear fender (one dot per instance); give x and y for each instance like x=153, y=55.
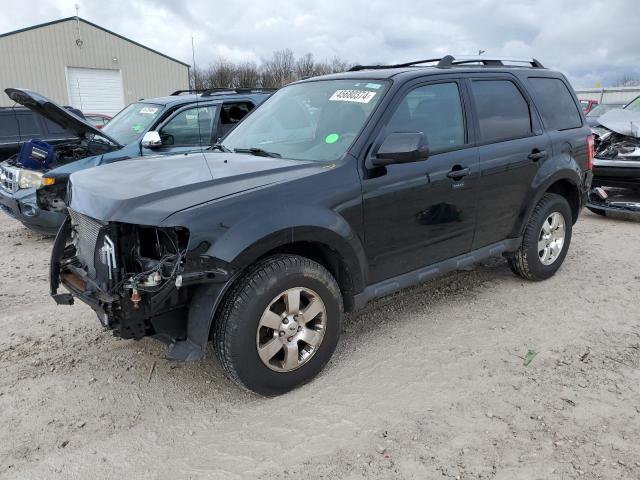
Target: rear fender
x=551, y=172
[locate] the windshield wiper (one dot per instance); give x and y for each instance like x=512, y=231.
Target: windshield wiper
x=257, y=152
x=219, y=146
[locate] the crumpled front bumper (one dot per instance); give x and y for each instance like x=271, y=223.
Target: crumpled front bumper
x=22, y=206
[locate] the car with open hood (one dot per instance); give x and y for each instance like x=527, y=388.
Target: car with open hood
x=617, y=160
x=184, y=121
x=335, y=191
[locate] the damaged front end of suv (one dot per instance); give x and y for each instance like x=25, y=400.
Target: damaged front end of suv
x=617, y=163
x=138, y=279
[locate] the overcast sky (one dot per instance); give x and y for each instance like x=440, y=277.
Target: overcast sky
x=590, y=41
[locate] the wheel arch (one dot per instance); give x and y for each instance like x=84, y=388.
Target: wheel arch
x=565, y=183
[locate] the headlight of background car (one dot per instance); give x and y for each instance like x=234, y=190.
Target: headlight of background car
x=29, y=179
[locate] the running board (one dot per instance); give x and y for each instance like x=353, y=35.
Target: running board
x=424, y=274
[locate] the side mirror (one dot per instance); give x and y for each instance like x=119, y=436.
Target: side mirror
x=151, y=140
x=401, y=148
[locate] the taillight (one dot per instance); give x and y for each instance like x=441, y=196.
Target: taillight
x=590, y=152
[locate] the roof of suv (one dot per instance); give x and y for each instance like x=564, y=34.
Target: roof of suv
x=186, y=96
x=460, y=64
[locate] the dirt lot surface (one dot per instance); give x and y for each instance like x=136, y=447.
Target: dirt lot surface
x=428, y=383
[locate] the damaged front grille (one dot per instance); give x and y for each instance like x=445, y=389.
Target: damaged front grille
x=8, y=178
x=86, y=233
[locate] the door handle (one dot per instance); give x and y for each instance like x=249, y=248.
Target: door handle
x=537, y=155
x=458, y=172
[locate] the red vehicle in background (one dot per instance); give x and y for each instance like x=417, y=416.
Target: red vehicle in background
x=587, y=105
x=98, y=120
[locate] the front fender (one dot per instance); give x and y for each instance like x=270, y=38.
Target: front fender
x=253, y=237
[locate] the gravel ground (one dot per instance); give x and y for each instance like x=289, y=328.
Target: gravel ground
x=427, y=383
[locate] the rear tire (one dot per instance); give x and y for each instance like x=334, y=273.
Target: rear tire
x=544, y=247
x=279, y=325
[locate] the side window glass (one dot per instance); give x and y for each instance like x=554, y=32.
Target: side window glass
x=436, y=111
x=53, y=128
x=189, y=127
x=28, y=125
x=503, y=113
x=8, y=127
x=556, y=105
x=231, y=114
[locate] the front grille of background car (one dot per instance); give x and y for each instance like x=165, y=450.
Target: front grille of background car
x=87, y=231
x=8, y=179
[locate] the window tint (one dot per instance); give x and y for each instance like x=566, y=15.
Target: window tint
x=189, y=127
x=28, y=125
x=54, y=128
x=8, y=126
x=231, y=114
x=556, y=105
x=503, y=113
x=436, y=111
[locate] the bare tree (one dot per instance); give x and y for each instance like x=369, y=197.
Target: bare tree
x=275, y=72
x=220, y=74
x=247, y=75
x=279, y=69
x=305, y=66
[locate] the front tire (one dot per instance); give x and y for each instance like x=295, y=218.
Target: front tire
x=279, y=325
x=546, y=239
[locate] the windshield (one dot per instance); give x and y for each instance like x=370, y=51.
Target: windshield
x=634, y=105
x=314, y=121
x=602, y=109
x=132, y=121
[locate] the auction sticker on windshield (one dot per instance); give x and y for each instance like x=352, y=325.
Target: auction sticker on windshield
x=359, y=96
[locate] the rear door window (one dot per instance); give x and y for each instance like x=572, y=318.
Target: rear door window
x=55, y=129
x=28, y=126
x=556, y=104
x=503, y=113
x=8, y=127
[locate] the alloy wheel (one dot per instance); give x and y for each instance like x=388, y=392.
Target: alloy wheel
x=291, y=329
x=551, y=238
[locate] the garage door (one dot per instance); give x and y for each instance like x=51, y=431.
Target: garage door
x=94, y=90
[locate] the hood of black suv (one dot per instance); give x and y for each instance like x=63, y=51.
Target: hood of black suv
x=148, y=190
x=57, y=114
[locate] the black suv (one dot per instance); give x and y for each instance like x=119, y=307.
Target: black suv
x=336, y=190
x=19, y=125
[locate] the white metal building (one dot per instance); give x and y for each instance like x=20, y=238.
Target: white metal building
x=76, y=62
x=609, y=94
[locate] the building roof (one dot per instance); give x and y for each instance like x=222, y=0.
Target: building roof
x=46, y=24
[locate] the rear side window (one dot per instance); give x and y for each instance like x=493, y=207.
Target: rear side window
x=503, y=113
x=555, y=102
x=8, y=126
x=28, y=125
x=53, y=128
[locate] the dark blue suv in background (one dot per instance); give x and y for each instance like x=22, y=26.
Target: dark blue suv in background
x=184, y=121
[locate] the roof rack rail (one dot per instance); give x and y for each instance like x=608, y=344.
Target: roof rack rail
x=230, y=91
x=451, y=61
x=189, y=90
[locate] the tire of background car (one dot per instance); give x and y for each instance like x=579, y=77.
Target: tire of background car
x=260, y=312
x=597, y=211
x=529, y=261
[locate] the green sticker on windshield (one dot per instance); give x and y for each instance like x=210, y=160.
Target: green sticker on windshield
x=332, y=138
x=136, y=128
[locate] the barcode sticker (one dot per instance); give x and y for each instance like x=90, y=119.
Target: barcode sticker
x=359, y=96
